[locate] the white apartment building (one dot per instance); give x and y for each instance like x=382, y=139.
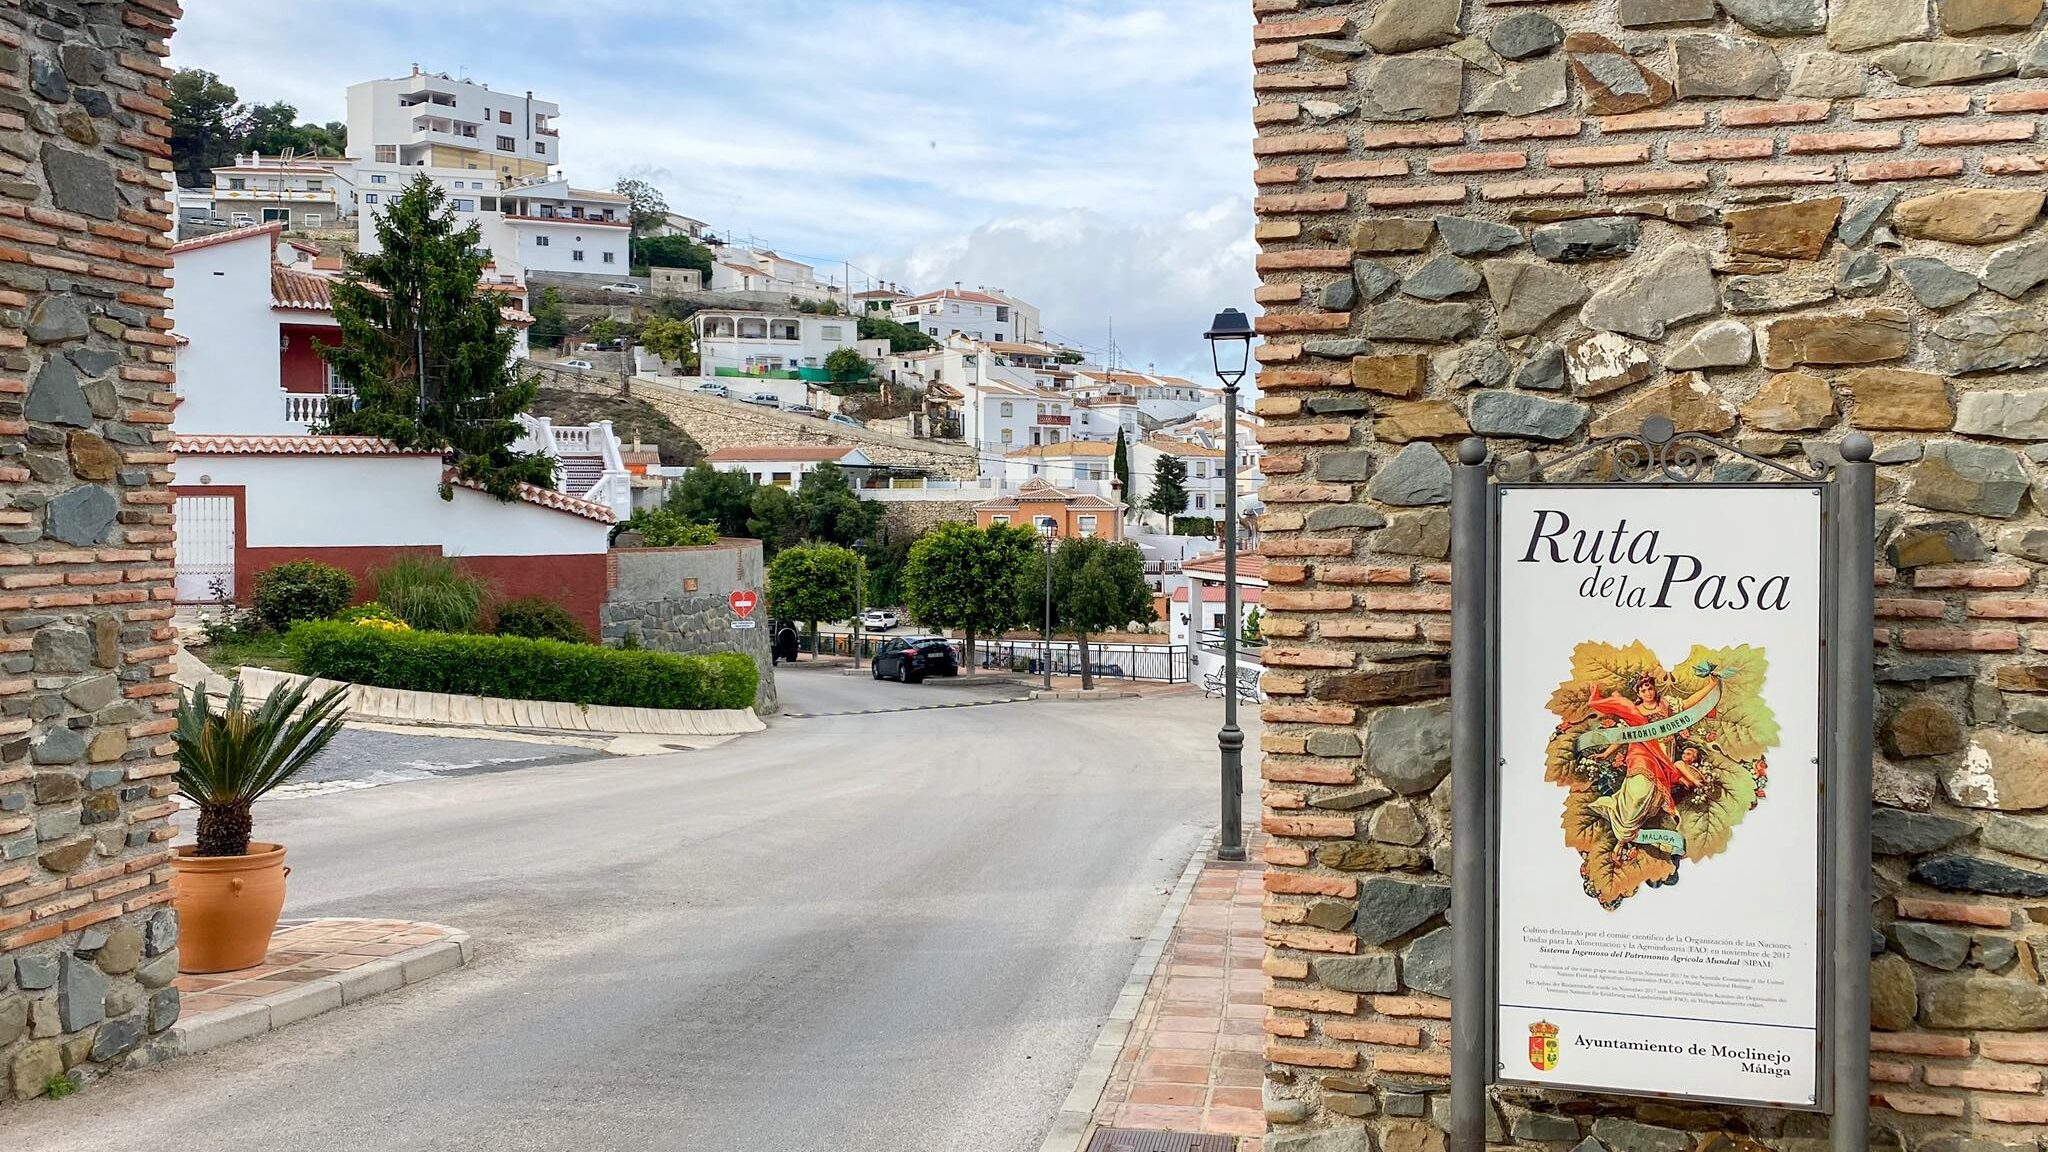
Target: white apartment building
x=297, y=191
x=547, y=226
x=433, y=120
x=997, y=417
x=768, y=341
x=1162, y=399
x=472, y=194
x=979, y=315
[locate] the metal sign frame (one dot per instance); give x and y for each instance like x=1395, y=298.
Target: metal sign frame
x=1660, y=456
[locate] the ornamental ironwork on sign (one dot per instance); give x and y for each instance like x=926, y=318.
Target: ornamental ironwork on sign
x=1661, y=702
x=1659, y=453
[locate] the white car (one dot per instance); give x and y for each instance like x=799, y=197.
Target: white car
x=578, y=365
x=718, y=390
x=764, y=399
x=624, y=289
x=880, y=619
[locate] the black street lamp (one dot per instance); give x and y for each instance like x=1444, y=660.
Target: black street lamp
x=1048, y=535
x=1230, y=349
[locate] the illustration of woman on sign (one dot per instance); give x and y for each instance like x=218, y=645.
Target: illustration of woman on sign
x=1653, y=768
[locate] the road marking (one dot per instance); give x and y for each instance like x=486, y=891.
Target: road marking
x=908, y=708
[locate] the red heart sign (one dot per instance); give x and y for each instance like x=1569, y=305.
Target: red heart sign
x=743, y=603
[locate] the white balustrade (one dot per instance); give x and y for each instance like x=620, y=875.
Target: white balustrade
x=305, y=407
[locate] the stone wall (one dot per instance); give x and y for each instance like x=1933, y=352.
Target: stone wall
x=1772, y=220
x=87, y=947
x=716, y=424
x=910, y=519
x=675, y=600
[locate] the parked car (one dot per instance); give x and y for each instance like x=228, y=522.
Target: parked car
x=802, y=410
x=880, y=619
x=764, y=399
x=912, y=658
x=843, y=418
x=718, y=390
x=578, y=365
x=624, y=289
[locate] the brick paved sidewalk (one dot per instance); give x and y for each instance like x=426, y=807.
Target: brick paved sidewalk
x=1193, y=1061
x=313, y=966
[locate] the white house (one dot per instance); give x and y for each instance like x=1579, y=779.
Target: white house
x=736, y=268
x=786, y=465
x=1081, y=465
x=1205, y=475
x=301, y=192
x=749, y=342
x=471, y=194
x=998, y=417
x=434, y=120
x=978, y=314
x=1162, y=399
x=254, y=487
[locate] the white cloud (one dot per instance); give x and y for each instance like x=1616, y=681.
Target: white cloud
x=1091, y=155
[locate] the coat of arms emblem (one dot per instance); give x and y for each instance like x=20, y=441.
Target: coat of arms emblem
x=1543, y=1045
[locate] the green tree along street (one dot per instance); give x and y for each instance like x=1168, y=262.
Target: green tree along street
x=814, y=582
x=961, y=576
x=1169, y=495
x=828, y=512
x=773, y=519
x=901, y=337
x=428, y=352
x=847, y=366
x=1097, y=587
x=670, y=252
x=670, y=339
x=724, y=500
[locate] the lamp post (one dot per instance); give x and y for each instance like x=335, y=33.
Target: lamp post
x=1047, y=535
x=1230, y=350
x=860, y=588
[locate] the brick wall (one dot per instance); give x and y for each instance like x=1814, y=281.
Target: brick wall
x=1772, y=220
x=87, y=943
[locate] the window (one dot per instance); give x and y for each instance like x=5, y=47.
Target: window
x=956, y=309
x=465, y=205
x=830, y=331
x=576, y=257
x=387, y=153
x=1041, y=409
x=1006, y=437
x=369, y=197
x=608, y=258
x=1201, y=469
x=489, y=203
x=1045, y=522
x=505, y=117
x=312, y=219
x=1201, y=502
x=313, y=186
x=507, y=144
x=1000, y=518
x=782, y=479
x=540, y=148
x=271, y=215
x=932, y=331
x=1005, y=409
x=540, y=241
x=1085, y=525
x=378, y=178
x=336, y=386
x=236, y=183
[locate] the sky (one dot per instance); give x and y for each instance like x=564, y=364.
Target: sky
x=1090, y=156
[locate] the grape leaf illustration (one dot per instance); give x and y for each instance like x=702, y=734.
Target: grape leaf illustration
x=1742, y=724
x=1613, y=668
x=1708, y=815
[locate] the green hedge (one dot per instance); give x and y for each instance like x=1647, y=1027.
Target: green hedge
x=515, y=668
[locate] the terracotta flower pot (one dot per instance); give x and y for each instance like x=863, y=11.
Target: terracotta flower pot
x=227, y=906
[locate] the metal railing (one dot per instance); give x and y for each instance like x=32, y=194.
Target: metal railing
x=1167, y=663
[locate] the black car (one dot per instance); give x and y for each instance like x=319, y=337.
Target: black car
x=912, y=658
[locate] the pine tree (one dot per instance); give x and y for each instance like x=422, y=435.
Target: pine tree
x=428, y=352
x=1121, y=468
x=1169, y=496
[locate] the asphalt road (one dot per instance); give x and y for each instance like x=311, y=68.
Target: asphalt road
x=364, y=758
x=869, y=931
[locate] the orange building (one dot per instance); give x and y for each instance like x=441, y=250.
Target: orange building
x=1039, y=502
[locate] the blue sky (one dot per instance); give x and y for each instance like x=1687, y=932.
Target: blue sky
x=1092, y=156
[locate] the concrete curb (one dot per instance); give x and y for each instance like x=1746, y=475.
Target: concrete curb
x=349, y=986
x=399, y=706
x=1078, y=694
x=1070, y=1126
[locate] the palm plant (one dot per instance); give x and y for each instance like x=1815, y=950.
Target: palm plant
x=227, y=759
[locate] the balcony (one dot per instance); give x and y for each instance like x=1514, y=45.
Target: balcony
x=1054, y=421
x=305, y=407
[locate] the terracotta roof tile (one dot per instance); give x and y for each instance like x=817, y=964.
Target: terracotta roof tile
x=544, y=497
x=300, y=290
x=274, y=227
x=205, y=445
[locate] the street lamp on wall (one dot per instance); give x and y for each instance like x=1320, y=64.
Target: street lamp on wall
x=1230, y=350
